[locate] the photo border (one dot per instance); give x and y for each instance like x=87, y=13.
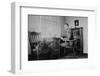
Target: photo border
x=16, y=52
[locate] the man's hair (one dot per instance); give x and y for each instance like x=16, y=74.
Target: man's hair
x=67, y=24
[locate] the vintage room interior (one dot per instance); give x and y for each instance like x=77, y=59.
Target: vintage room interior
x=57, y=37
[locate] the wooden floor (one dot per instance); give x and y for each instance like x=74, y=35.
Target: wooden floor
x=81, y=56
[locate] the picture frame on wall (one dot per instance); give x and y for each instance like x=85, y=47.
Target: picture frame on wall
x=51, y=38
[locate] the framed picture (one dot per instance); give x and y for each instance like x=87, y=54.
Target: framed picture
x=47, y=39
x=76, y=22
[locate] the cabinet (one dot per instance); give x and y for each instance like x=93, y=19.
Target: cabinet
x=77, y=35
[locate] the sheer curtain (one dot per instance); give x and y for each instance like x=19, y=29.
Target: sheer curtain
x=49, y=26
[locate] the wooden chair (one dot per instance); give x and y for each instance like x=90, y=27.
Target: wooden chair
x=34, y=38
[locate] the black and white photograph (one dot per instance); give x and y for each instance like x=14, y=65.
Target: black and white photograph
x=57, y=37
